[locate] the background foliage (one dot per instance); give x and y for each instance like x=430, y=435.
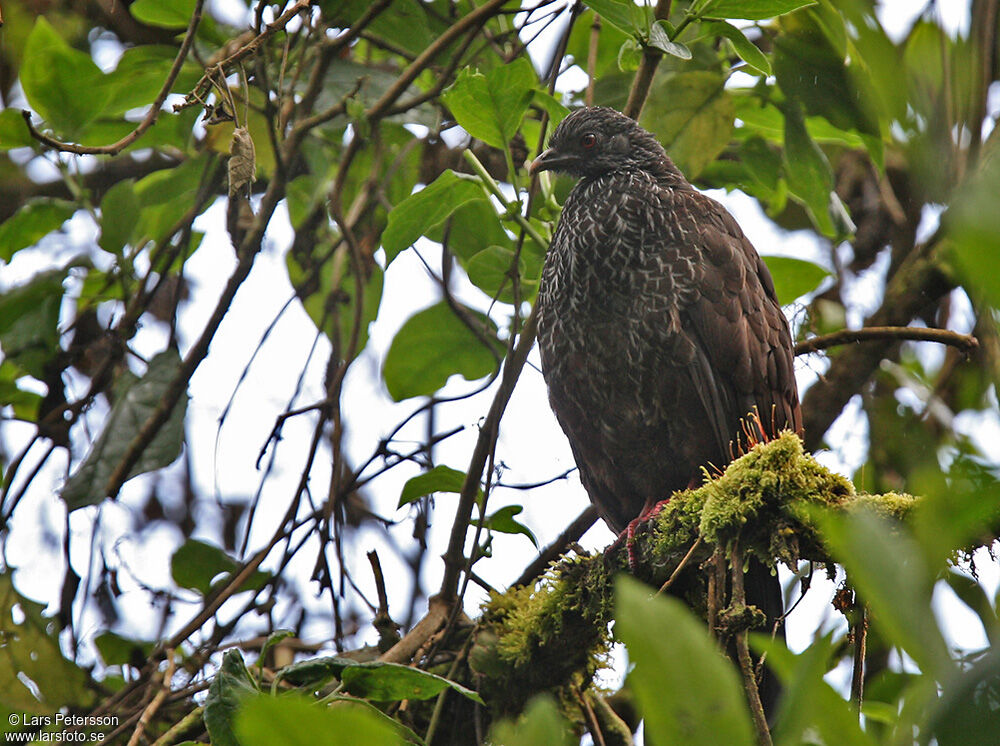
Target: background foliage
x=142, y=128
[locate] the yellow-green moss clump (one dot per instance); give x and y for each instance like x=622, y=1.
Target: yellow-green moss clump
x=554, y=635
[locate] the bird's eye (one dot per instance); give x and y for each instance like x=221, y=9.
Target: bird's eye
x=588, y=141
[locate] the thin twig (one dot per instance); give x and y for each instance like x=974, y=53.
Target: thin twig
x=743, y=651
x=859, y=631
x=683, y=563
x=965, y=342
x=154, y=705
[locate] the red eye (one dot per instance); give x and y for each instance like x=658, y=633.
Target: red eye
x=588, y=141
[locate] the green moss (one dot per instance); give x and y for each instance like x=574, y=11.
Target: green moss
x=554, y=636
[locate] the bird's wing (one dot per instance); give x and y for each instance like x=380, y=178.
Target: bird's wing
x=740, y=345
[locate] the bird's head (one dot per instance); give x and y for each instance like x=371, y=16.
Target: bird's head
x=596, y=140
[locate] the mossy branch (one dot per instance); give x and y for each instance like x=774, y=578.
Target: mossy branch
x=554, y=635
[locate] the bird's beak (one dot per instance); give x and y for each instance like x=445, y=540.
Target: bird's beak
x=549, y=160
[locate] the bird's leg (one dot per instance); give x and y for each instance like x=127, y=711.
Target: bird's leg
x=650, y=510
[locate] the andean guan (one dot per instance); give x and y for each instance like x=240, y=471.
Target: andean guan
x=659, y=329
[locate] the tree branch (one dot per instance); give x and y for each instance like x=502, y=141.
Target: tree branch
x=964, y=342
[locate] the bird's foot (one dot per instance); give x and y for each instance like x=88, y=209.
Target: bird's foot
x=650, y=510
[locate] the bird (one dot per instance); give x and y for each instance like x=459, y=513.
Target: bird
x=659, y=329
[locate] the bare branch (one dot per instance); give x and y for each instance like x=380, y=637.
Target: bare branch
x=964, y=342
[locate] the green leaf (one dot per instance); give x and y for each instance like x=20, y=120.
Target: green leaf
x=490, y=107
x=35, y=219
x=119, y=217
x=135, y=401
x=541, y=724
x=163, y=13
x=13, y=131
x=35, y=676
x=231, y=686
x=196, y=564
x=886, y=566
x=296, y=721
x=746, y=49
x=503, y=522
x=619, y=13
x=423, y=210
x=809, y=705
x=753, y=10
x=327, y=292
x=389, y=682
x=24, y=403
x=473, y=227
x=809, y=175
x=62, y=84
x=139, y=76
x=550, y=105
x=811, y=71
x=438, y=479
x=692, y=115
x=29, y=318
x=314, y=671
x=687, y=692
x=165, y=197
x=968, y=714
x=489, y=270
x=973, y=225
x=433, y=345
x=117, y=650
x=659, y=39
x=794, y=278
x=629, y=55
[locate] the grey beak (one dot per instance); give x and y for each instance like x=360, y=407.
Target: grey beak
x=549, y=160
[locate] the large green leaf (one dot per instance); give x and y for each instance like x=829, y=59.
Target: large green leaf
x=13, y=131
x=196, y=564
x=753, y=10
x=35, y=677
x=688, y=694
x=439, y=479
x=29, y=318
x=490, y=107
x=423, y=210
x=135, y=400
x=692, y=115
x=490, y=271
x=390, y=682
x=794, y=278
x=433, y=345
x=746, y=49
x=62, y=84
x=231, y=686
x=295, y=721
x=810, y=177
x=887, y=567
x=809, y=705
x=120, y=212
x=164, y=13
x=34, y=220
x=541, y=724
x=619, y=13
x=973, y=224
x=140, y=74
x=165, y=197
x=810, y=70
x=328, y=290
